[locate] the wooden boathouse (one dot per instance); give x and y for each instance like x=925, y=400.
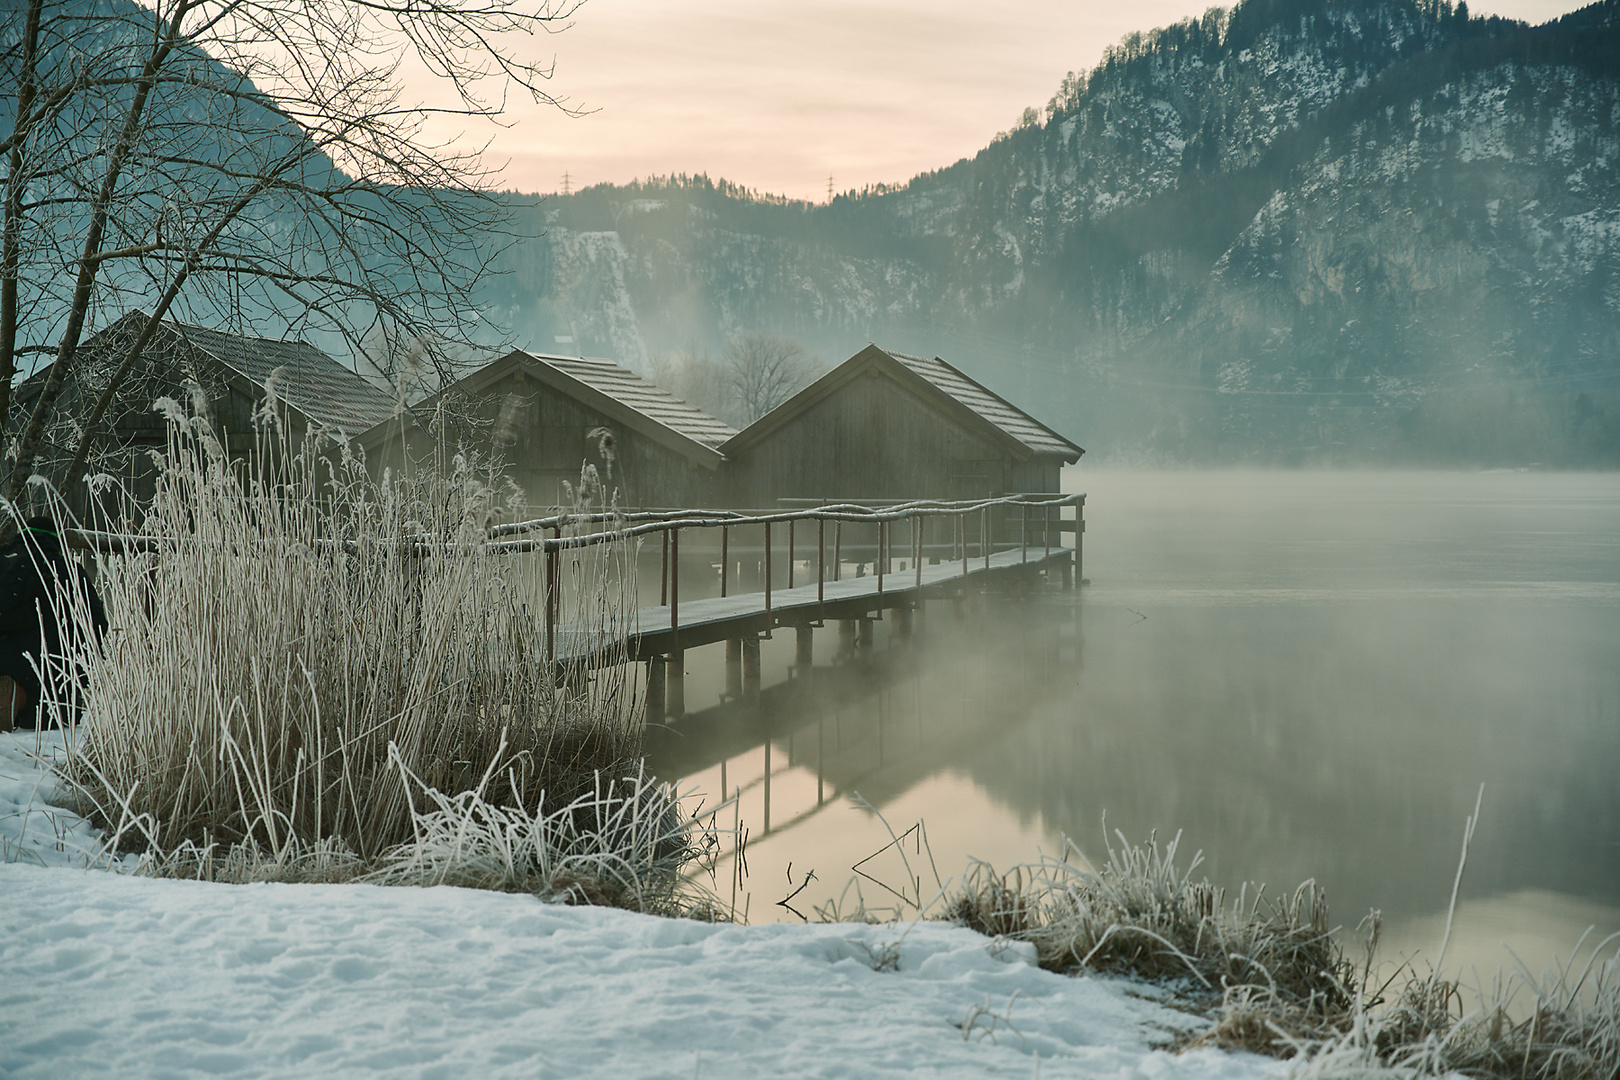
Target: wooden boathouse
x=230, y=370
x=885, y=425
x=549, y=415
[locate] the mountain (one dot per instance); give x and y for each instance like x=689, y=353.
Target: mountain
x=1329, y=231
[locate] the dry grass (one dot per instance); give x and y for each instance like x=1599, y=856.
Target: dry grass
x=1568, y=1028
x=623, y=845
x=1260, y=964
x=1272, y=979
x=312, y=674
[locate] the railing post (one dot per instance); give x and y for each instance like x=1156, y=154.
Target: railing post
x=767, y=568
x=916, y=551
x=791, y=523
x=675, y=590
x=961, y=538
x=1023, y=530
x=663, y=568
x=725, y=556
x=984, y=537
x=881, y=564
x=1046, y=531
x=553, y=562
x=1079, y=541
x=821, y=568
x=838, y=549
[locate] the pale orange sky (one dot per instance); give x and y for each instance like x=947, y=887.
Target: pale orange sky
x=778, y=94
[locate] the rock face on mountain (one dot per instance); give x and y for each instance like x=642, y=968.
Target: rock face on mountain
x=1300, y=230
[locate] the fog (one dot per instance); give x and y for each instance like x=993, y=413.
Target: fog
x=1307, y=674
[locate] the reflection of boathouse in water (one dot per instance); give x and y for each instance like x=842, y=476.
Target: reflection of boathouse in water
x=881, y=426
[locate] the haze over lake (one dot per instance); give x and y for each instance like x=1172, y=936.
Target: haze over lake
x=1308, y=674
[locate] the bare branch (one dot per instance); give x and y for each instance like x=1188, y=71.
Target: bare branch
x=255, y=159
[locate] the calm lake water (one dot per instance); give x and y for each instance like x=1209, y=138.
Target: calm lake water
x=1306, y=675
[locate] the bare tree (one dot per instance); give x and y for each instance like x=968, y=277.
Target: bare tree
x=240, y=161
x=696, y=378
x=763, y=370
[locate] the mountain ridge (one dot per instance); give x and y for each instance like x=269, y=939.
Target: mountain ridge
x=1111, y=260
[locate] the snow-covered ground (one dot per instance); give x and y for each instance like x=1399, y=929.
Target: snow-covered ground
x=106, y=974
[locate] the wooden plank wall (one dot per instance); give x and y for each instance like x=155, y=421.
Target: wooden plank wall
x=545, y=435
x=872, y=439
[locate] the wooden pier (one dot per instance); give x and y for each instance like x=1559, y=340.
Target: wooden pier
x=902, y=554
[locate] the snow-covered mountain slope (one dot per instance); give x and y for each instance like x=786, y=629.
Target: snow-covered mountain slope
x=1300, y=229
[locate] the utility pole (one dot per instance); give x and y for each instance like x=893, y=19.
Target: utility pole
x=829, y=189
x=568, y=188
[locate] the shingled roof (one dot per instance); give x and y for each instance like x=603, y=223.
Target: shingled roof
x=624, y=385
x=615, y=391
x=948, y=387
x=1012, y=420
x=310, y=381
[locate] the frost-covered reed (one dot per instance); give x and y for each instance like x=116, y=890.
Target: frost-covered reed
x=1272, y=978
x=307, y=667
x=1561, y=1025
x=1142, y=914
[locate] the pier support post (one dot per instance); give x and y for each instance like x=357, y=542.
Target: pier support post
x=656, y=669
x=902, y=622
x=846, y=636
x=863, y=639
x=750, y=668
x=734, y=653
x=804, y=648
x=675, y=684
x=1068, y=574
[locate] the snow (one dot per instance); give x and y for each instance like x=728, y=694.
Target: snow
x=110, y=974
x=31, y=829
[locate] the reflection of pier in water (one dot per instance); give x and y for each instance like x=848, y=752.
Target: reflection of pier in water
x=890, y=710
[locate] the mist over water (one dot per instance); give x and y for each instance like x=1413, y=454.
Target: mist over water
x=1308, y=675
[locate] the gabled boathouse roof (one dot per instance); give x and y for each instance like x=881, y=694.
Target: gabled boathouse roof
x=616, y=392
x=970, y=402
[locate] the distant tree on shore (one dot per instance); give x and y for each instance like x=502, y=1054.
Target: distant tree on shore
x=755, y=373
x=763, y=370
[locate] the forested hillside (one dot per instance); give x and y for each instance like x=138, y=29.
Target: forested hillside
x=1298, y=231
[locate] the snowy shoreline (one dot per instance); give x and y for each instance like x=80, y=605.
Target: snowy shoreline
x=120, y=975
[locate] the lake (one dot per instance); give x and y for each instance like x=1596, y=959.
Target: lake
x=1304, y=674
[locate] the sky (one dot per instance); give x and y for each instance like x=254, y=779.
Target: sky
x=780, y=95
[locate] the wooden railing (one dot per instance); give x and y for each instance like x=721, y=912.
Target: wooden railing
x=1033, y=513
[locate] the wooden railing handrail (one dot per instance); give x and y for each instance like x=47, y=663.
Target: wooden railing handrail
x=637, y=523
